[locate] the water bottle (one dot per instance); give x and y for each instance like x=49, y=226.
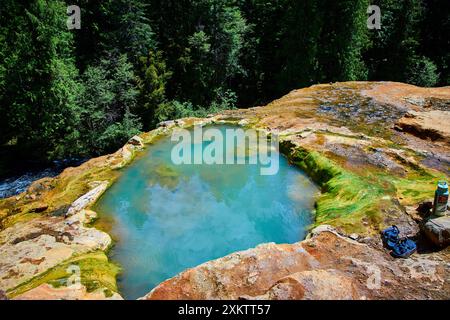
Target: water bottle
x=440, y=199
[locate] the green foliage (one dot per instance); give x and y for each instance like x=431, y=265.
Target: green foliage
x=342, y=41
x=37, y=76
x=113, y=27
x=422, y=72
x=225, y=100
x=203, y=41
x=435, y=41
x=152, y=81
x=300, y=27
x=175, y=110
x=108, y=93
x=117, y=134
x=396, y=50
x=294, y=44
x=131, y=31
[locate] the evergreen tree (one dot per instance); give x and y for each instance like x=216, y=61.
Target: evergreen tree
x=299, y=37
x=263, y=58
x=152, y=80
x=203, y=41
x=113, y=26
x=108, y=95
x=395, y=53
x=343, y=40
x=435, y=39
x=131, y=31
x=37, y=76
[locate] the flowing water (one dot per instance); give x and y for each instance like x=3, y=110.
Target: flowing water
x=17, y=184
x=168, y=218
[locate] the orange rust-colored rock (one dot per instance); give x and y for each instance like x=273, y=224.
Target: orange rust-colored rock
x=327, y=266
x=429, y=125
x=313, y=285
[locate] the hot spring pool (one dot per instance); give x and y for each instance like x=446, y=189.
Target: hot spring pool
x=168, y=218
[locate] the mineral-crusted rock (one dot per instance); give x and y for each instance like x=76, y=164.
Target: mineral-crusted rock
x=438, y=230
x=312, y=285
x=87, y=199
x=136, y=141
x=47, y=292
x=31, y=248
x=166, y=124
x=326, y=266
x=428, y=125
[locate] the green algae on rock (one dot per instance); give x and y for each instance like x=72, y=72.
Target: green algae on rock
x=96, y=272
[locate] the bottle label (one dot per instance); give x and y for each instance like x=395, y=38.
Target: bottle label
x=442, y=199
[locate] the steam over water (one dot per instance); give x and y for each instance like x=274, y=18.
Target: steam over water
x=168, y=218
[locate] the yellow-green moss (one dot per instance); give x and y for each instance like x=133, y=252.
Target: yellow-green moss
x=355, y=202
x=347, y=200
x=417, y=187
x=165, y=175
x=96, y=272
x=16, y=218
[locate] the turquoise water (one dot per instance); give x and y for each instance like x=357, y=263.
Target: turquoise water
x=168, y=218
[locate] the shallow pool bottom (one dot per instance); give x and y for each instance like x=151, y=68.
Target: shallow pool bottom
x=169, y=218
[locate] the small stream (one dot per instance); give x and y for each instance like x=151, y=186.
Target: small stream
x=19, y=183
